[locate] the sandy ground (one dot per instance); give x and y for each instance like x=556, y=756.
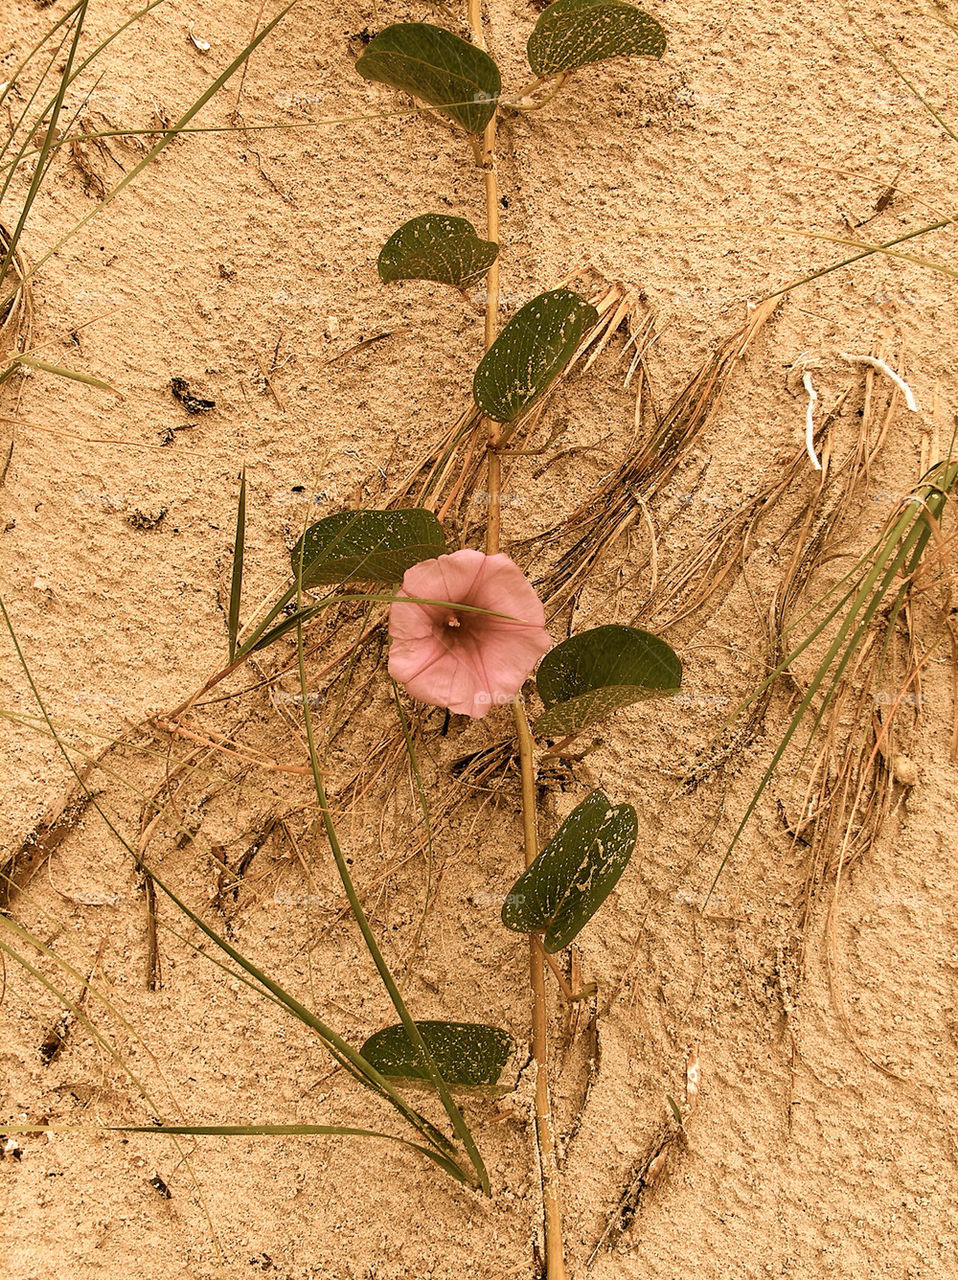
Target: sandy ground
x=240, y=254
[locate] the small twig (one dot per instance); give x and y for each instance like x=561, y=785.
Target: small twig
x=56, y=1037
x=55, y=825
x=180, y=731
x=574, y=997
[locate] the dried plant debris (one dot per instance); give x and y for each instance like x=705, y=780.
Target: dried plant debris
x=55, y=825
x=654, y=1160
x=144, y=521
x=642, y=1174
x=190, y=402
x=16, y=314
x=623, y=496
x=56, y=1037
x=168, y=434
x=231, y=877
x=160, y=1187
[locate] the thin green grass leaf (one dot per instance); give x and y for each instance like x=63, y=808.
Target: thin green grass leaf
x=62, y=372
x=32, y=53
x=372, y=945
x=236, y=585
x=290, y=1130
x=901, y=549
x=265, y=127
x=339, y=1048
x=423, y=801
x=889, y=62
x=40, y=169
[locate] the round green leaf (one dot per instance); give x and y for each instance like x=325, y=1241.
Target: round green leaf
x=372, y=546
x=573, y=33
x=438, y=68
x=574, y=874
x=597, y=672
x=436, y=247
x=530, y=353
x=467, y=1054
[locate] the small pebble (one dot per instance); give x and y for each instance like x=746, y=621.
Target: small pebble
x=904, y=771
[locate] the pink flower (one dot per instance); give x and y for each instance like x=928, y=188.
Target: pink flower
x=454, y=658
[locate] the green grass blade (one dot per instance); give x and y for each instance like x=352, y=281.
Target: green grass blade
x=890, y=63
x=423, y=800
x=75, y=1009
x=867, y=252
x=236, y=585
x=62, y=372
x=871, y=591
x=15, y=127
x=84, y=1021
x=342, y=1051
x=898, y=530
x=279, y=126
x=169, y=136
x=411, y=1029
x=49, y=136
x=24, y=153
x=28, y=58
x=288, y=1130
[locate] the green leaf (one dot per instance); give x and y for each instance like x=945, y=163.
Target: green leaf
x=530, y=353
x=597, y=672
x=438, y=68
x=374, y=546
x=573, y=33
x=467, y=1054
x=574, y=874
x=437, y=247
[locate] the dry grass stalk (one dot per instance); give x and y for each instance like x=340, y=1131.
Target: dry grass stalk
x=622, y=497
x=17, y=316
x=850, y=793
x=724, y=552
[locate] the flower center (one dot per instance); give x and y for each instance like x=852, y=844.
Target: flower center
x=453, y=620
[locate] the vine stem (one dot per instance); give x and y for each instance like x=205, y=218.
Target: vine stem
x=494, y=463
x=545, y=1131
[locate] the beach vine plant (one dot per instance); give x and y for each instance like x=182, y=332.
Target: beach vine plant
x=467, y=629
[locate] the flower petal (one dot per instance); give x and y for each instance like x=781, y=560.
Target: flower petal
x=503, y=660
x=504, y=588
x=408, y=659
x=450, y=577
x=412, y=621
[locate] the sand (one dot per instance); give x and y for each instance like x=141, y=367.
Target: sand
x=245, y=264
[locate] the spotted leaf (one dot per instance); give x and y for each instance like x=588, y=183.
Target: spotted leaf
x=564, y=887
